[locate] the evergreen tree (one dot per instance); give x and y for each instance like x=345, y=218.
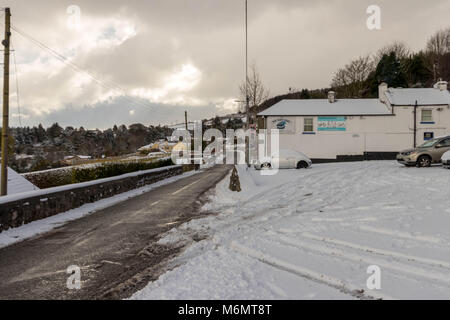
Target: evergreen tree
x=388, y=70
x=416, y=71
x=304, y=94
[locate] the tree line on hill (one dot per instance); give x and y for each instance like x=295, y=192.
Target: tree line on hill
x=37, y=148
x=395, y=64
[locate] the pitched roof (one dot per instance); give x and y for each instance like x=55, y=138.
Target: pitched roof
x=423, y=96
x=322, y=107
x=18, y=184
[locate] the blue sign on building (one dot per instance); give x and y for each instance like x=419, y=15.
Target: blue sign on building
x=331, y=124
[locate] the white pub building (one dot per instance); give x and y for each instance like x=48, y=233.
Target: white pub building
x=330, y=129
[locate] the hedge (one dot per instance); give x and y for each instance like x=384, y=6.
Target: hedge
x=68, y=175
x=83, y=174
x=50, y=178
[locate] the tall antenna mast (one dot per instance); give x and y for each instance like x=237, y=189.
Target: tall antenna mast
x=247, y=98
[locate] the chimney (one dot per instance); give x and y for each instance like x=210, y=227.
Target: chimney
x=441, y=85
x=331, y=96
x=382, y=88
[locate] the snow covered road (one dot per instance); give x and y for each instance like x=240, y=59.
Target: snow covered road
x=312, y=234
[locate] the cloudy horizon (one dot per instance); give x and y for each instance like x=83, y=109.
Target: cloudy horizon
x=171, y=56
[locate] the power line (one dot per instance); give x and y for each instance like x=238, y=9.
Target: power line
x=76, y=68
x=73, y=66
x=17, y=83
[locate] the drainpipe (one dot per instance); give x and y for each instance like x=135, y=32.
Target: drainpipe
x=415, y=123
x=265, y=132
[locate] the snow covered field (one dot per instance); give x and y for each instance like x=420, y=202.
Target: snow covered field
x=312, y=234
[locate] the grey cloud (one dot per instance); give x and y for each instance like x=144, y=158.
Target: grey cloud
x=295, y=43
x=105, y=115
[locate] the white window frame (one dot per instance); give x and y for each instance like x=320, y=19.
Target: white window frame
x=309, y=125
x=424, y=118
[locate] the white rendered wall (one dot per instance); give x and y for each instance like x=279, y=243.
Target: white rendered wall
x=390, y=133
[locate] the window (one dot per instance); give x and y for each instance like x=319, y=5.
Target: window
x=429, y=143
x=445, y=143
x=308, y=125
x=427, y=116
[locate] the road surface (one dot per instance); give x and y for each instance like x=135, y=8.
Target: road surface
x=115, y=248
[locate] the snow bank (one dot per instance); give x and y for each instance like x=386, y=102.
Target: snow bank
x=18, y=184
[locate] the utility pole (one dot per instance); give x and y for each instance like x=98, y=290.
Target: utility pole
x=5, y=126
x=185, y=120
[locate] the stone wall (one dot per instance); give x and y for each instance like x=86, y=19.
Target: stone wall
x=16, y=210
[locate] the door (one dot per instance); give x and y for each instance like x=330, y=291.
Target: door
x=442, y=147
x=284, y=163
x=290, y=162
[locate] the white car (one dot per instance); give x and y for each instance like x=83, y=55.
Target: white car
x=445, y=159
x=287, y=159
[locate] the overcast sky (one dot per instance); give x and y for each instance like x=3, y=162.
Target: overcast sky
x=176, y=55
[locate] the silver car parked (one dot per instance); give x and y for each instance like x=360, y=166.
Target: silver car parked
x=424, y=155
x=287, y=159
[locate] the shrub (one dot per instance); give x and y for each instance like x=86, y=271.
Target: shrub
x=106, y=170
x=50, y=178
x=67, y=175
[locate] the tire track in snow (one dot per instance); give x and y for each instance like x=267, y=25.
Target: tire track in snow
x=401, y=268
x=393, y=254
x=306, y=273
x=400, y=234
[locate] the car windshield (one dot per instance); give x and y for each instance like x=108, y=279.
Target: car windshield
x=429, y=143
x=288, y=153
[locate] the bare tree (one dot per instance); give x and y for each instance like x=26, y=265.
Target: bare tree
x=255, y=90
x=439, y=43
x=400, y=49
x=438, y=50
x=349, y=80
x=340, y=82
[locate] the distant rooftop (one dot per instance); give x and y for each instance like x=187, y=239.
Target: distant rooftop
x=439, y=95
x=322, y=107
x=423, y=96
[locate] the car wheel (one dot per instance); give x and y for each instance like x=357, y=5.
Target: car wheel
x=266, y=165
x=424, y=161
x=302, y=165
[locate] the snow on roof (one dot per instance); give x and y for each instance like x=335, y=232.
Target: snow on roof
x=322, y=107
x=76, y=156
x=18, y=184
x=156, y=154
x=424, y=96
x=148, y=146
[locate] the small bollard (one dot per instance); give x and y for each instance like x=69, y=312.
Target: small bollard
x=235, y=184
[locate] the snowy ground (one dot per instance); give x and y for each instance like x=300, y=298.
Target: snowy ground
x=312, y=234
